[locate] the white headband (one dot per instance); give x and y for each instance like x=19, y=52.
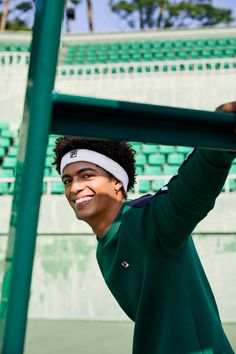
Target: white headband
x=99, y=159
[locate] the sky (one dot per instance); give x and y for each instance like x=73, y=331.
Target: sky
x=106, y=21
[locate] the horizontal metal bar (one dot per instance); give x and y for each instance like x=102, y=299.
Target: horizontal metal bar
x=110, y=119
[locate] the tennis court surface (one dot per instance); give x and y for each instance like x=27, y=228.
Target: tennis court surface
x=87, y=337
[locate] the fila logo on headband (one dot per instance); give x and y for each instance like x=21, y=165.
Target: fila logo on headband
x=73, y=154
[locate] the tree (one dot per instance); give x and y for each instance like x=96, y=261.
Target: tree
x=169, y=13
x=4, y=15
x=17, y=15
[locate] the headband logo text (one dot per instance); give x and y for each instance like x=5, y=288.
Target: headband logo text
x=73, y=154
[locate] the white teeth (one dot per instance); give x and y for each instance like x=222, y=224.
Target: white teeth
x=82, y=200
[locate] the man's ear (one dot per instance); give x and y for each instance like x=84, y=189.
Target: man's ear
x=118, y=185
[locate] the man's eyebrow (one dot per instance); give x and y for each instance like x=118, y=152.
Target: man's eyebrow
x=81, y=170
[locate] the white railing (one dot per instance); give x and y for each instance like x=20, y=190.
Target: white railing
x=49, y=180
x=165, y=67
x=13, y=58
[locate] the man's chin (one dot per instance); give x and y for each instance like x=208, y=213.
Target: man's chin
x=81, y=217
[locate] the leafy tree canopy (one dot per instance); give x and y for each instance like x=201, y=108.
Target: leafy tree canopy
x=19, y=14
x=166, y=13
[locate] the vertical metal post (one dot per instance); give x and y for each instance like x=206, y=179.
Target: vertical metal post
x=29, y=174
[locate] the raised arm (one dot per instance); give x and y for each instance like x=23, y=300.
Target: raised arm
x=190, y=195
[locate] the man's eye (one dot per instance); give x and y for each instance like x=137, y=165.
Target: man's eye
x=88, y=175
x=66, y=182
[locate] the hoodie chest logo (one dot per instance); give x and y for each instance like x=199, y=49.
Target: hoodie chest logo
x=125, y=264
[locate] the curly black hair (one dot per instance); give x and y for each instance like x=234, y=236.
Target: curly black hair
x=119, y=151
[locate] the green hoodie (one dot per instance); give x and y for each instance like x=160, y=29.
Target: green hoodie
x=151, y=266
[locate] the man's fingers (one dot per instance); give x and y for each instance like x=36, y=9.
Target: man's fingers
x=229, y=107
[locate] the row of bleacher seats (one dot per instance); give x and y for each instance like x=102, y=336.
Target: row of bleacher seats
x=151, y=160
x=154, y=50
x=139, y=51
x=14, y=47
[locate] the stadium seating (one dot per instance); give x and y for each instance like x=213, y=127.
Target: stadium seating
x=151, y=160
x=14, y=47
x=136, y=51
x=152, y=50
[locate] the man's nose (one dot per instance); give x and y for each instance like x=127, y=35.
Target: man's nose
x=77, y=185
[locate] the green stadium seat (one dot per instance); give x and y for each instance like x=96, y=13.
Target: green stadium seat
x=170, y=170
x=2, y=152
x=166, y=149
x=139, y=170
x=48, y=161
x=183, y=55
x=168, y=45
x=69, y=61
x=232, y=41
x=156, y=45
x=57, y=188
x=140, y=159
x=175, y=159
x=47, y=172
x=4, y=188
x=144, y=186
x=230, y=53
x=9, y=162
x=13, y=151
x=223, y=41
x=50, y=151
x=159, y=56
x=170, y=56
x=5, y=142
x=156, y=159
x=136, y=57
x=149, y=149
x=6, y=172
x=4, y=126
x=183, y=149
x=6, y=133
x=189, y=44
x=135, y=46
x=156, y=185
x=218, y=53
x=229, y=186
x=195, y=54
x=152, y=170
x=52, y=140
x=232, y=169
x=179, y=44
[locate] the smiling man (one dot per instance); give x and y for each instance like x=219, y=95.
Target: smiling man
x=145, y=249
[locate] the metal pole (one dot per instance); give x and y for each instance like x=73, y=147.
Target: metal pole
x=101, y=118
x=29, y=172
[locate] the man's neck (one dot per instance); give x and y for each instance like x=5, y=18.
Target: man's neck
x=101, y=226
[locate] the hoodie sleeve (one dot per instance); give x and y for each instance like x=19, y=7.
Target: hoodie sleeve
x=179, y=206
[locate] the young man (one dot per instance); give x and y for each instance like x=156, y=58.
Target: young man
x=145, y=250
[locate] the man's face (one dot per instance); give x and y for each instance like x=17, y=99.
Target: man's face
x=90, y=191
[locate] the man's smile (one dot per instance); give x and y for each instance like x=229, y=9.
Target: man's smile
x=81, y=201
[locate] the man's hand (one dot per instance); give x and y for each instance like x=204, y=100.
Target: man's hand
x=229, y=107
